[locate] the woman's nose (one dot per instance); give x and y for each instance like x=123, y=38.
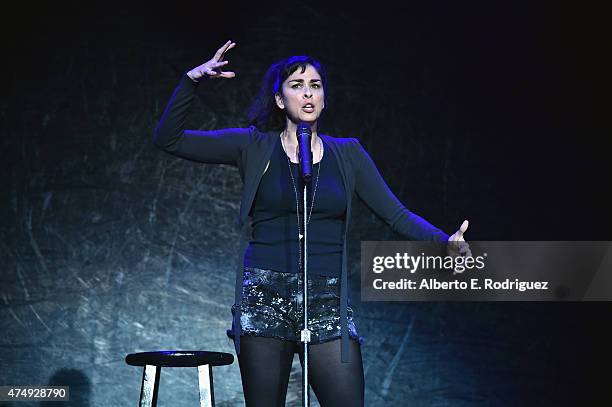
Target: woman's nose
x=307, y=91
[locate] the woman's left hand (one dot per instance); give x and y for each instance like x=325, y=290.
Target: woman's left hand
x=457, y=245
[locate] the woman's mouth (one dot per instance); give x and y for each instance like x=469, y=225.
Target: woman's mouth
x=308, y=108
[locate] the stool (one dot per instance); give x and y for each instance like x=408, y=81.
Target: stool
x=154, y=361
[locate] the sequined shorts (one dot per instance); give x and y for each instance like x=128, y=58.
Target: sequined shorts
x=272, y=303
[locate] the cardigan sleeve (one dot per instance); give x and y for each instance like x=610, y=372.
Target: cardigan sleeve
x=222, y=146
x=372, y=189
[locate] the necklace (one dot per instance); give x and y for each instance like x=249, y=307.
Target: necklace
x=297, y=208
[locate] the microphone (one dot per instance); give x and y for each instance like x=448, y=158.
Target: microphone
x=304, y=136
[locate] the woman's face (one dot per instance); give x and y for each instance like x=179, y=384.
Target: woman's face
x=302, y=96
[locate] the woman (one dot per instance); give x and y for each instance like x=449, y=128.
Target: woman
x=267, y=310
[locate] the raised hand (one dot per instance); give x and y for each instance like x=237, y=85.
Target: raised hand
x=457, y=246
x=212, y=67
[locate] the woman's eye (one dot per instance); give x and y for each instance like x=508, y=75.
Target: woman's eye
x=299, y=85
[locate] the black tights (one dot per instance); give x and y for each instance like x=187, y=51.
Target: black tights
x=265, y=365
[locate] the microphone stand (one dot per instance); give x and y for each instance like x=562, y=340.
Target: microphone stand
x=305, y=334
x=304, y=135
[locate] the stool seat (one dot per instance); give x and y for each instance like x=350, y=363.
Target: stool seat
x=179, y=358
x=154, y=361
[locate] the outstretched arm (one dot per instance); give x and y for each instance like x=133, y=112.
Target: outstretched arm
x=375, y=193
x=221, y=146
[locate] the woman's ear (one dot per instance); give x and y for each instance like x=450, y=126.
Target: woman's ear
x=279, y=101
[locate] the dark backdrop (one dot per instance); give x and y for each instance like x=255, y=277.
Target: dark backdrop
x=483, y=111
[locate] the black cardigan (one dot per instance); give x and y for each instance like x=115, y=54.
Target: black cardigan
x=250, y=150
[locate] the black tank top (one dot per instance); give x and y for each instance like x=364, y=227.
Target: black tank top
x=274, y=242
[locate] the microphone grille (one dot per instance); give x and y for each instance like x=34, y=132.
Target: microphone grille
x=304, y=129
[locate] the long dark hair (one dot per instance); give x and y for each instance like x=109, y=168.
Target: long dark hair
x=263, y=112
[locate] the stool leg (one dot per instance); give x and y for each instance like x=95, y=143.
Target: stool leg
x=205, y=380
x=150, y=385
